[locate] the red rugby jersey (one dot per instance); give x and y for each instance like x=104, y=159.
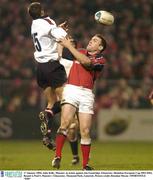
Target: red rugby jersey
x=80, y=76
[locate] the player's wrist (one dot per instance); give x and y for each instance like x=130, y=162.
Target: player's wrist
x=69, y=46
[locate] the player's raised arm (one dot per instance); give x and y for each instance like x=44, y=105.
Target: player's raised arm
x=83, y=59
x=58, y=33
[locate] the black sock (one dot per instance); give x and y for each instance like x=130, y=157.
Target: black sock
x=50, y=117
x=74, y=147
x=56, y=108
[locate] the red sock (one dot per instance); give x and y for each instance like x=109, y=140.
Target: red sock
x=60, y=139
x=85, y=153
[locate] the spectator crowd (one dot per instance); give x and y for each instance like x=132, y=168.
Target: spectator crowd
x=128, y=75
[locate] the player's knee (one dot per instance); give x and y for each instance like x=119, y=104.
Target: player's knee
x=85, y=132
x=65, y=121
x=59, y=92
x=72, y=134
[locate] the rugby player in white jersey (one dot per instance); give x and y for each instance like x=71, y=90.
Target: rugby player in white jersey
x=51, y=75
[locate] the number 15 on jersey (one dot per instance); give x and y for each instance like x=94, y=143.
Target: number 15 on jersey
x=36, y=42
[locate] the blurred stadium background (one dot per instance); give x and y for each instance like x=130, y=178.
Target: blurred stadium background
x=123, y=127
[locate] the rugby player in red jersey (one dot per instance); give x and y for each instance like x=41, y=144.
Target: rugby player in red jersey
x=78, y=96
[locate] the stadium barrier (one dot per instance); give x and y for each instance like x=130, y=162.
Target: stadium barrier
x=19, y=125
x=22, y=125
x=125, y=125
x=112, y=125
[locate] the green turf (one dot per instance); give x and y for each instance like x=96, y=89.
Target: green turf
x=32, y=155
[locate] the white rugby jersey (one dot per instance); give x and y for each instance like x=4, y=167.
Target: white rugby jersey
x=45, y=34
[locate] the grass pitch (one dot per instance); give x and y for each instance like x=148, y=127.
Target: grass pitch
x=32, y=155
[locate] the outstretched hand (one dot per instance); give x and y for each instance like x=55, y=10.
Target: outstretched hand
x=66, y=42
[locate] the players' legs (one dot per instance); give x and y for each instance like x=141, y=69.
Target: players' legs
x=59, y=92
x=50, y=76
x=85, y=126
x=67, y=115
x=46, y=118
x=50, y=97
x=53, y=107
x=53, y=96
x=68, y=112
x=72, y=136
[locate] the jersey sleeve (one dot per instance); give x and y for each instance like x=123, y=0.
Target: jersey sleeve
x=98, y=63
x=51, y=28
x=58, y=33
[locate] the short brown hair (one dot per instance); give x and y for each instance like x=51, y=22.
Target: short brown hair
x=103, y=41
x=35, y=9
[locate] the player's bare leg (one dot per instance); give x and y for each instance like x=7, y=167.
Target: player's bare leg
x=68, y=112
x=53, y=107
x=50, y=96
x=72, y=136
x=85, y=126
x=59, y=92
x=46, y=118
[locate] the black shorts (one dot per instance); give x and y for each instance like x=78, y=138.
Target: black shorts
x=51, y=74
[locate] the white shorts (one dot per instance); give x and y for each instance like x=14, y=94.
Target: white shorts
x=81, y=98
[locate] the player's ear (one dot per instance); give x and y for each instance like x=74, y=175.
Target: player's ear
x=101, y=48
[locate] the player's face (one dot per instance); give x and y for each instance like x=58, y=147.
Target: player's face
x=94, y=44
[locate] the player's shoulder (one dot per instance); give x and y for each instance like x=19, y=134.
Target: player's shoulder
x=49, y=20
x=45, y=21
x=101, y=57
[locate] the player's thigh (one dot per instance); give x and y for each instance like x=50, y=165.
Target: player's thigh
x=59, y=92
x=50, y=95
x=85, y=121
x=67, y=114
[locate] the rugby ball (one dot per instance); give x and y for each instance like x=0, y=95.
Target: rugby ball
x=104, y=17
